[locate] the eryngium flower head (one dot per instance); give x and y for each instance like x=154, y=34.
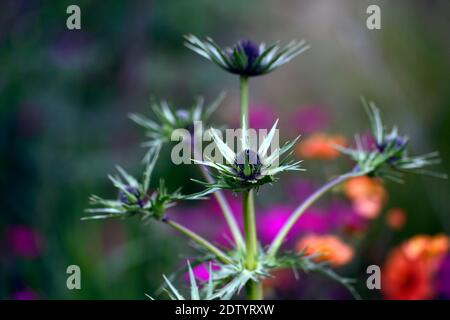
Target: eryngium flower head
x=388, y=157
x=249, y=168
x=246, y=58
x=168, y=120
x=134, y=197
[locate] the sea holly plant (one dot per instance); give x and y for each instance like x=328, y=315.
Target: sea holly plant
x=245, y=265
x=251, y=167
x=197, y=292
x=387, y=156
x=246, y=58
x=169, y=120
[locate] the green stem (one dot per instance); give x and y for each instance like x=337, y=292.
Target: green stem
x=199, y=240
x=244, y=101
x=279, y=238
x=251, y=244
x=254, y=289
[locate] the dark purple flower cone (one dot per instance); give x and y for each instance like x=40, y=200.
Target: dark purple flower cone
x=253, y=161
x=250, y=49
x=135, y=192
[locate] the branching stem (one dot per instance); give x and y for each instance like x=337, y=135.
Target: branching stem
x=199, y=240
x=280, y=237
x=254, y=289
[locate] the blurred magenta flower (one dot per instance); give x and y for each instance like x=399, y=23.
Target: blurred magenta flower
x=310, y=119
x=314, y=220
x=342, y=217
x=233, y=201
x=223, y=236
x=25, y=294
x=443, y=278
x=261, y=117
x=201, y=271
x=199, y=218
x=336, y=216
x=300, y=189
x=24, y=241
x=272, y=219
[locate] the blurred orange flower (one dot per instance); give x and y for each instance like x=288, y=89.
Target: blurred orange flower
x=320, y=146
x=427, y=248
x=367, y=195
x=396, y=218
x=403, y=278
x=327, y=248
x=409, y=269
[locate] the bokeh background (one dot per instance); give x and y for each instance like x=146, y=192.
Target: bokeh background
x=64, y=99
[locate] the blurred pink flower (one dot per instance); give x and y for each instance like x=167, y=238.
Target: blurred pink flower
x=313, y=220
x=24, y=241
x=309, y=119
x=26, y=294
x=443, y=278
x=260, y=117
x=223, y=236
x=233, y=201
x=300, y=189
x=338, y=215
x=201, y=271
x=342, y=216
x=199, y=218
x=270, y=222
x=272, y=219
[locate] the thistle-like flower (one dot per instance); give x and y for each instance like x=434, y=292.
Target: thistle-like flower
x=169, y=120
x=197, y=292
x=246, y=58
x=133, y=196
x=388, y=156
x=251, y=167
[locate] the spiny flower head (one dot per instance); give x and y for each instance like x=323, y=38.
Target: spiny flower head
x=168, y=120
x=389, y=157
x=246, y=58
x=197, y=291
x=251, y=167
x=134, y=197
